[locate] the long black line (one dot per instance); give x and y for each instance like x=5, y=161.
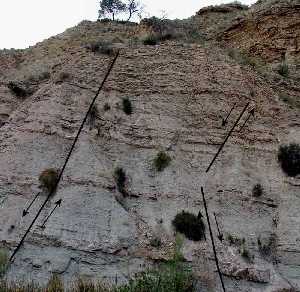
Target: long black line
x=68, y=157
x=212, y=240
x=227, y=137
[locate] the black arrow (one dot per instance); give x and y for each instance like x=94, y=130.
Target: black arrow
x=67, y=159
x=251, y=113
x=220, y=236
x=224, y=122
x=57, y=204
x=25, y=211
x=227, y=137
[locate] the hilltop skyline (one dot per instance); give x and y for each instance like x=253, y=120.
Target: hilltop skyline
x=33, y=21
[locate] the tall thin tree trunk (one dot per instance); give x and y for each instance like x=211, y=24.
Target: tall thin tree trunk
x=130, y=14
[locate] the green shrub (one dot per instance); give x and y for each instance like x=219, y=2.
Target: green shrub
x=3, y=262
x=189, y=225
x=289, y=159
x=257, y=191
x=173, y=276
x=151, y=40
x=127, y=106
x=283, y=69
x=161, y=161
x=18, y=90
x=48, y=179
x=167, y=278
x=120, y=179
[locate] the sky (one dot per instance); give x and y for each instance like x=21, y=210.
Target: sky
x=24, y=23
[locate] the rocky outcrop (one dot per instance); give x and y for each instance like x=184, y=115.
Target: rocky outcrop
x=179, y=93
x=270, y=30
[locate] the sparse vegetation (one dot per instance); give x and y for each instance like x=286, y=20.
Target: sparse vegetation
x=106, y=107
x=63, y=76
x=289, y=159
x=55, y=284
x=48, y=179
x=155, y=242
x=235, y=240
x=283, y=69
x=161, y=161
x=244, y=59
x=18, y=89
x=292, y=101
x=3, y=262
x=173, y=276
x=127, y=106
x=120, y=179
x=244, y=251
x=150, y=39
x=189, y=225
x=267, y=249
x=257, y=191
x=101, y=47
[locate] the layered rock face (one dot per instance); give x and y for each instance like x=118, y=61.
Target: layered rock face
x=179, y=93
x=270, y=30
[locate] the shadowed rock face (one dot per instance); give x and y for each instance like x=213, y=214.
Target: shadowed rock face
x=179, y=94
x=270, y=30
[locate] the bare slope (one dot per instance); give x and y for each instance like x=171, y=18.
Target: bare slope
x=179, y=92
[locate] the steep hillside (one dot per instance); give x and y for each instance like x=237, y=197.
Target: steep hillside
x=179, y=93
x=271, y=30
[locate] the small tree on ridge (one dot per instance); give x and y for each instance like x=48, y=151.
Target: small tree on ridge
x=111, y=8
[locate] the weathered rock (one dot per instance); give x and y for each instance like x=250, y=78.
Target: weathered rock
x=179, y=96
x=270, y=30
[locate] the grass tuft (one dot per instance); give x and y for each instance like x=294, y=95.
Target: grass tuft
x=161, y=161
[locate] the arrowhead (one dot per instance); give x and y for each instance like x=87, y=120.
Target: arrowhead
x=224, y=123
x=24, y=213
x=200, y=215
x=58, y=203
x=252, y=112
x=42, y=226
x=220, y=237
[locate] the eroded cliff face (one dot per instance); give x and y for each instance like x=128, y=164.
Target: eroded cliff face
x=179, y=93
x=270, y=30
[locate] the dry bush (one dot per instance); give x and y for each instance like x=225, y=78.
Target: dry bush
x=289, y=159
x=257, y=191
x=48, y=179
x=161, y=161
x=189, y=225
